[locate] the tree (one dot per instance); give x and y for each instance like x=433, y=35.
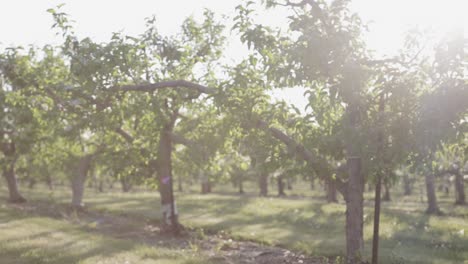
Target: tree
x=22, y=109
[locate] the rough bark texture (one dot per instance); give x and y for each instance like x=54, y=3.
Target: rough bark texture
x=460, y=189
x=432, y=208
x=263, y=184
x=354, y=211
x=79, y=179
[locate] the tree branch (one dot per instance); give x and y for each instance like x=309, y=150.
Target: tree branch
x=125, y=135
x=165, y=84
x=315, y=161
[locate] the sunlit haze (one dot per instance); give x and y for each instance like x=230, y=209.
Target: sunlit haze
x=24, y=22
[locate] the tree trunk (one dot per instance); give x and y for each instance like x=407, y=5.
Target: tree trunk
x=312, y=183
x=407, y=188
x=281, y=186
x=79, y=179
x=330, y=187
x=180, y=188
x=263, y=184
x=241, y=183
x=101, y=186
x=386, y=197
x=164, y=172
x=375, y=237
x=354, y=211
x=460, y=189
x=432, y=208
x=49, y=182
x=10, y=176
x=205, y=183
x=289, y=184
x=32, y=183
x=126, y=185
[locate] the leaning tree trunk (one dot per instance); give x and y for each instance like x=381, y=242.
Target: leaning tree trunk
x=10, y=176
x=263, y=184
x=354, y=211
x=281, y=186
x=164, y=171
x=432, y=208
x=331, y=191
x=459, y=189
x=79, y=179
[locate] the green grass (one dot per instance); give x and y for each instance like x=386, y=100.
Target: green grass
x=302, y=222
x=31, y=239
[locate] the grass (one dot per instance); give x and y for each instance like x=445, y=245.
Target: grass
x=32, y=239
x=302, y=222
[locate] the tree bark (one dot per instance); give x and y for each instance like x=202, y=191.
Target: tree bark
x=241, y=183
x=263, y=184
x=101, y=186
x=205, y=183
x=180, y=188
x=354, y=211
x=407, y=188
x=281, y=186
x=32, y=183
x=126, y=185
x=460, y=189
x=79, y=179
x=49, y=182
x=164, y=172
x=12, y=183
x=331, y=191
x=375, y=238
x=312, y=183
x=386, y=197
x=432, y=208
x=289, y=184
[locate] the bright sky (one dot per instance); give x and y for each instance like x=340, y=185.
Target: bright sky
x=24, y=22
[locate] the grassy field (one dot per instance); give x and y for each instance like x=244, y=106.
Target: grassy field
x=301, y=222
x=34, y=239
